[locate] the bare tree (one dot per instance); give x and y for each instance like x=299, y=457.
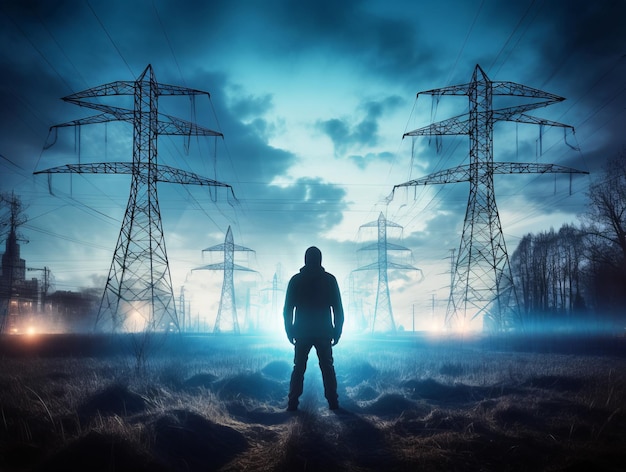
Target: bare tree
x=606, y=216
x=547, y=273
x=605, y=227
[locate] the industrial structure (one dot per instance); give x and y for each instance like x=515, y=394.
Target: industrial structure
x=20, y=298
x=482, y=283
x=383, y=314
x=227, y=305
x=139, y=285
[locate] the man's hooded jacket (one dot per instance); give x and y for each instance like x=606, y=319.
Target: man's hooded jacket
x=313, y=292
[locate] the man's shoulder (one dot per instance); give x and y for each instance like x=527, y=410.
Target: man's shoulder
x=295, y=278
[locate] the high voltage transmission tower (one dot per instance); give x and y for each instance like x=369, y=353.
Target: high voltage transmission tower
x=265, y=321
x=482, y=282
x=383, y=313
x=139, y=281
x=227, y=299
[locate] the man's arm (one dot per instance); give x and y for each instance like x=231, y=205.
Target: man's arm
x=288, y=310
x=337, y=313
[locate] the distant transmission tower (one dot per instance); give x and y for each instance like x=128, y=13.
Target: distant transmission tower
x=139, y=281
x=264, y=323
x=227, y=299
x=482, y=283
x=383, y=313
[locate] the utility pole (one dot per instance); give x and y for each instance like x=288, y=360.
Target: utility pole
x=482, y=282
x=383, y=313
x=139, y=280
x=227, y=299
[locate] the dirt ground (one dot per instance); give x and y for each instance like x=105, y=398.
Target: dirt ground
x=413, y=405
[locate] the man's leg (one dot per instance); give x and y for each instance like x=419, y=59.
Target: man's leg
x=325, y=355
x=296, y=385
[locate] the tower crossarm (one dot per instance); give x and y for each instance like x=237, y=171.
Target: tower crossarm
x=462, y=173
x=390, y=265
x=163, y=173
x=119, y=87
x=388, y=245
x=110, y=114
x=166, y=125
x=533, y=168
x=177, y=126
x=372, y=266
x=497, y=88
x=461, y=89
x=519, y=90
x=166, y=89
x=222, y=266
x=515, y=115
x=126, y=87
x=222, y=247
x=374, y=224
x=456, y=174
x=395, y=265
x=460, y=125
x=455, y=125
x=178, y=176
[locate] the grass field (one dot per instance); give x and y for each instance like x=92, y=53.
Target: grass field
x=218, y=403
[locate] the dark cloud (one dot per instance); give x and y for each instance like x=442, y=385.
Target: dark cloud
x=250, y=106
x=362, y=133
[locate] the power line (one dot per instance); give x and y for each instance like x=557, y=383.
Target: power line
x=110, y=39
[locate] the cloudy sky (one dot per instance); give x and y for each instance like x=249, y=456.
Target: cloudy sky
x=313, y=99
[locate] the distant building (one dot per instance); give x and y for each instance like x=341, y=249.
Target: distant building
x=73, y=311
x=20, y=299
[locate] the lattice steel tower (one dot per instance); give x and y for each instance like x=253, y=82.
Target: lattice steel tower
x=383, y=313
x=482, y=282
x=139, y=281
x=227, y=299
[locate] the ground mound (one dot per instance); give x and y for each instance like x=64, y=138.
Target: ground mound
x=258, y=413
x=188, y=441
x=555, y=382
x=204, y=380
x=278, y=370
x=363, y=392
x=389, y=404
x=115, y=399
x=250, y=385
x=360, y=372
x=430, y=389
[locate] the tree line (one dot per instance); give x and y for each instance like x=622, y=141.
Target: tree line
x=575, y=278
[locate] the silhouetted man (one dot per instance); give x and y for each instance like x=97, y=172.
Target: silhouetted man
x=313, y=317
